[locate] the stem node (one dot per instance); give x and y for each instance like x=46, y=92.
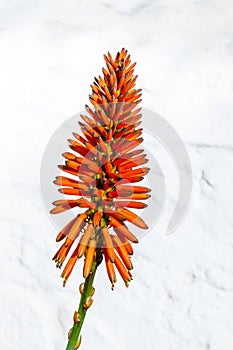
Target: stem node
x=86, y=290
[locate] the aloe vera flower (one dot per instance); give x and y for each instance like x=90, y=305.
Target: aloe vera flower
x=105, y=162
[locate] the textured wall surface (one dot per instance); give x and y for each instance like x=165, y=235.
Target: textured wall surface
x=182, y=294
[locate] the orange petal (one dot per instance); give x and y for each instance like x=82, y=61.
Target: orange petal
x=101, y=131
x=71, y=191
x=88, y=179
x=123, y=253
x=133, y=134
x=68, y=155
x=120, y=193
x=110, y=267
x=73, y=164
x=136, y=196
x=122, y=270
x=130, y=68
x=134, y=189
x=81, y=139
x=69, y=266
x=63, y=233
x=119, y=145
x=122, y=230
x=68, y=169
x=62, y=253
x=77, y=147
x=103, y=116
x=65, y=181
x=92, y=113
x=108, y=167
x=108, y=244
x=136, y=172
x=133, y=179
x=132, y=145
x=133, y=163
x=140, y=196
x=121, y=82
x=89, y=258
x=96, y=218
x=85, y=239
x=63, y=205
x=127, y=245
x=88, y=162
x=131, y=204
x=114, y=214
x=83, y=203
x=135, y=219
x=79, y=223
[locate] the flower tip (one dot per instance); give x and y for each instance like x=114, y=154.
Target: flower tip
x=64, y=283
x=60, y=236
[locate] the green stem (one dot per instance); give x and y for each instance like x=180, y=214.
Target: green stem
x=82, y=310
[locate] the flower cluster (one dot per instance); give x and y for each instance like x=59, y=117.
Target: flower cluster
x=106, y=164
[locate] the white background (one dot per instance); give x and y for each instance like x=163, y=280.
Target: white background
x=182, y=294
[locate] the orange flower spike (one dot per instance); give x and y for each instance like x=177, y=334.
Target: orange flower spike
x=103, y=160
x=105, y=163
x=89, y=258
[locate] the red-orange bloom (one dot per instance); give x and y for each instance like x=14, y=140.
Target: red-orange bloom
x=107, y=163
